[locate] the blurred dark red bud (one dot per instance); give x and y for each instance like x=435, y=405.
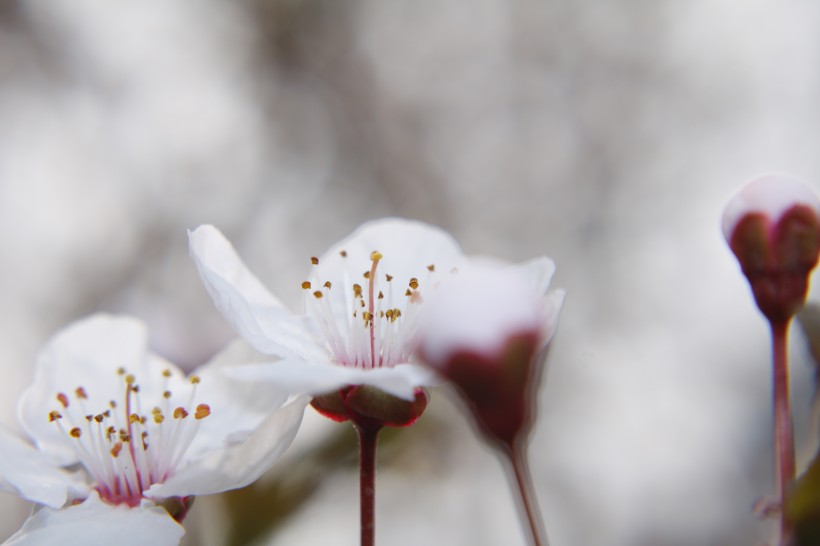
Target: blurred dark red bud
x=777, y=258
x=499, y=388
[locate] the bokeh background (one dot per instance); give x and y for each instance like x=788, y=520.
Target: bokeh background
x=605, y=134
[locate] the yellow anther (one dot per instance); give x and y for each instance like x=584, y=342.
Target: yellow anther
x=99, y=417
x=431, y=268
x=408, y=293
x=366, y=274
x=166, y=394
x=115, y=451
x=53, y=416
x=381, y=295
x=414, y=283
x=81, y=394
x=166, y=373
x=89, y=418
x=317, y=294
x=159, y=418
x=194, y=379
x=75, y=432
x=327, y=285
x=306, y=285
x=112, y=404
x=357, y=290
x=62, y=399
x=202, y=411
x=343, y=253
x=120, y=371
x=376, y=256
x=180, y=413
x=134, y=418
x=314, y=260
x=107, y=413
x=129, y=379
x=389, y=277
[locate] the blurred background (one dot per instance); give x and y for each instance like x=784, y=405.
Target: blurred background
x=605, y=134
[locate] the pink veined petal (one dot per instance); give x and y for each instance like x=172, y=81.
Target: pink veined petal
x=30, y=474
x=319, y=378
x=237, y=465
x=94, y=522
x=86, y=353
x=248, y=306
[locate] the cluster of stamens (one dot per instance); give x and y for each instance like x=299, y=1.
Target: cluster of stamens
x=377, y=327
x=124, y=450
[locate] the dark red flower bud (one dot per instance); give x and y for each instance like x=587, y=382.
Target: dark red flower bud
x=773, y=227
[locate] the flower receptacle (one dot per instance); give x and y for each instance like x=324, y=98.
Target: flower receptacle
x=365, y=403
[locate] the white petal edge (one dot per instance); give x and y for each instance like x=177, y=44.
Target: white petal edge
x=93, y=522
x=240, y=464
x=538, y=272
x=553, y=303
x=30, y=474
x=256, y=314
x=322, y=377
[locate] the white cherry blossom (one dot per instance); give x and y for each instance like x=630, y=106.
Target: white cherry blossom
x=139, y=433
x=361, y=303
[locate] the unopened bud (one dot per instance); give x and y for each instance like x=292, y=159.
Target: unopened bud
x=773, y=227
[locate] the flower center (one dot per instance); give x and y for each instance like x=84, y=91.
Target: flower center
x=369, y=327
x=124, y=450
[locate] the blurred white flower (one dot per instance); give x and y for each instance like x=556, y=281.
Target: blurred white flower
x=361, y=304
x=145, y=437
x=483, y=330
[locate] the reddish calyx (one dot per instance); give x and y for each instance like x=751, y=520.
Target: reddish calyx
x=364, y=404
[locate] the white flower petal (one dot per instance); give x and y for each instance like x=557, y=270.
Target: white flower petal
x=553, y=302
x=408, y=247
x=86, y=353
x=771, y=195
x=237, y=407
x=480, y=309
x=538, y=273
x=248, y=306
x=320, y=378
x=240, y=464
x=30, y=474
x=94, y=522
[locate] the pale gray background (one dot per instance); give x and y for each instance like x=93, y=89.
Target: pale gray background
x=606, y=134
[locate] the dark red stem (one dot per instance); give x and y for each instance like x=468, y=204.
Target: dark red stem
x=368, y=436
x=526, y=494
x=783, y=432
